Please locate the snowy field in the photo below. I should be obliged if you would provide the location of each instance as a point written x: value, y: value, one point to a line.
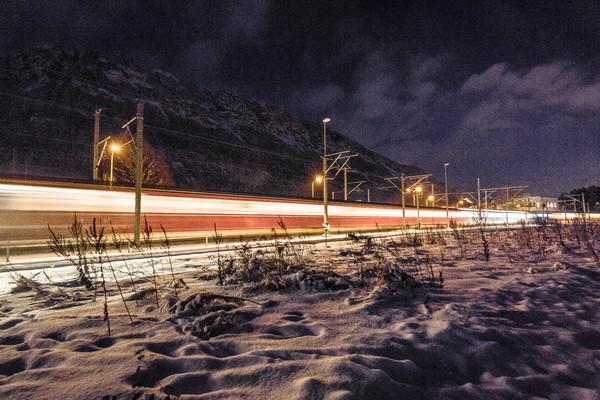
x: 395, y: 317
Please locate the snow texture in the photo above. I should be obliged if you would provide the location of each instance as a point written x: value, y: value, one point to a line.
x: 426, y: 323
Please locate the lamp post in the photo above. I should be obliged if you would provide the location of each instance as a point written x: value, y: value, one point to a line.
x: 432, y: 199
x: 418, y: 191
x: 113, y: 148
x: 446, y: 193
x: 318, y: 179
x: 325, y: 216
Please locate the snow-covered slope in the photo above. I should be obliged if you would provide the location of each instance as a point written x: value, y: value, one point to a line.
x: 210, y: 140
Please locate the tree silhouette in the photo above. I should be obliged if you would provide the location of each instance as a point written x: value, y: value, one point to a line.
x: 155, y: 171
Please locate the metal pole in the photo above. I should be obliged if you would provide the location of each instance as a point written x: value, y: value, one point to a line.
x: 583, y: 205
x: 403, y: 203
x: 418, y: 213
x: 345, y: 184
x: 112, y: 155
x: 478, y: 195
x: 139, y: 136
x: 506, y: 206
x: 96, y: 140
x: 325, y: 216
x: 446, y: 190
x: 313, y: 190
x: 368, y: 195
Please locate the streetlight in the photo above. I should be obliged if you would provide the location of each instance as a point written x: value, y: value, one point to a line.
x: 446, y: 190
x: 325, y: 216
x: 113, y: 148
x: 418, y: 191
x: 318, y: 179
x: 430, y: 198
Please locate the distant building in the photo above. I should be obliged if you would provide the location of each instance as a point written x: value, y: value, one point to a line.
x: 538, y: 203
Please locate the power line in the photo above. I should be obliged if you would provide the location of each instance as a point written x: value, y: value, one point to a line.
x: 166, y: 131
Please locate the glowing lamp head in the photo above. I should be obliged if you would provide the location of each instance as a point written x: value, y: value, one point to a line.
x: 115, y: 147
x: 419, y: 189
x: 430, y: 197
x: 326, y: 120
x: 318, y: 179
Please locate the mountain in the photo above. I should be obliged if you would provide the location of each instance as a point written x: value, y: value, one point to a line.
x: 208, y: 140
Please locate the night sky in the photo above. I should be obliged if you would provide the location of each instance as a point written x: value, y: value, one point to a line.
x: 508, y: 91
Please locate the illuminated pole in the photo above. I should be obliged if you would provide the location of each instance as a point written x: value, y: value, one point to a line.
x: 418, y: 192
x: 507, y: 199
x: 478, y: 195
x: 96, y: 140
x: 403, y: 202
x: 345, y: 184
x: 325, y: 216
x: 446, y: 190
x: 432, y: 199
x: 318, y: 180
x: 432, y: 195
x: 139, y: 136
x: 113, y: 148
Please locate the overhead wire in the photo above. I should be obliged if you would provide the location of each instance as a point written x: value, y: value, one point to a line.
x: 166, y: 131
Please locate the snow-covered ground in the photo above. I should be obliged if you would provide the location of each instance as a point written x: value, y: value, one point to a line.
x: 524, y: 325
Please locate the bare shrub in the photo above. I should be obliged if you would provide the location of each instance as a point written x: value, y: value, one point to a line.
x: 74, y: 249
x: 480, y: 221
x: 147, y: 237
x: 581, y: 228
x: 166, y: 244
x: 460, y: 236
x: 218, y: 238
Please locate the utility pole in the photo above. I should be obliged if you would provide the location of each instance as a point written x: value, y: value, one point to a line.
x: 96, y: 140
x: 478, y: 195
x: 506, y: 205
x: 418, y: 213
x: 325, y: 215
x: 446, y: 190
x: 345, y: 184
x: 489, y: 191
x: 403, y: 201
x: 403, y: 190
x: 139, y: 136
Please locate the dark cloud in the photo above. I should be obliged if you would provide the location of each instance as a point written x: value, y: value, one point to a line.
x: 504, y: 90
